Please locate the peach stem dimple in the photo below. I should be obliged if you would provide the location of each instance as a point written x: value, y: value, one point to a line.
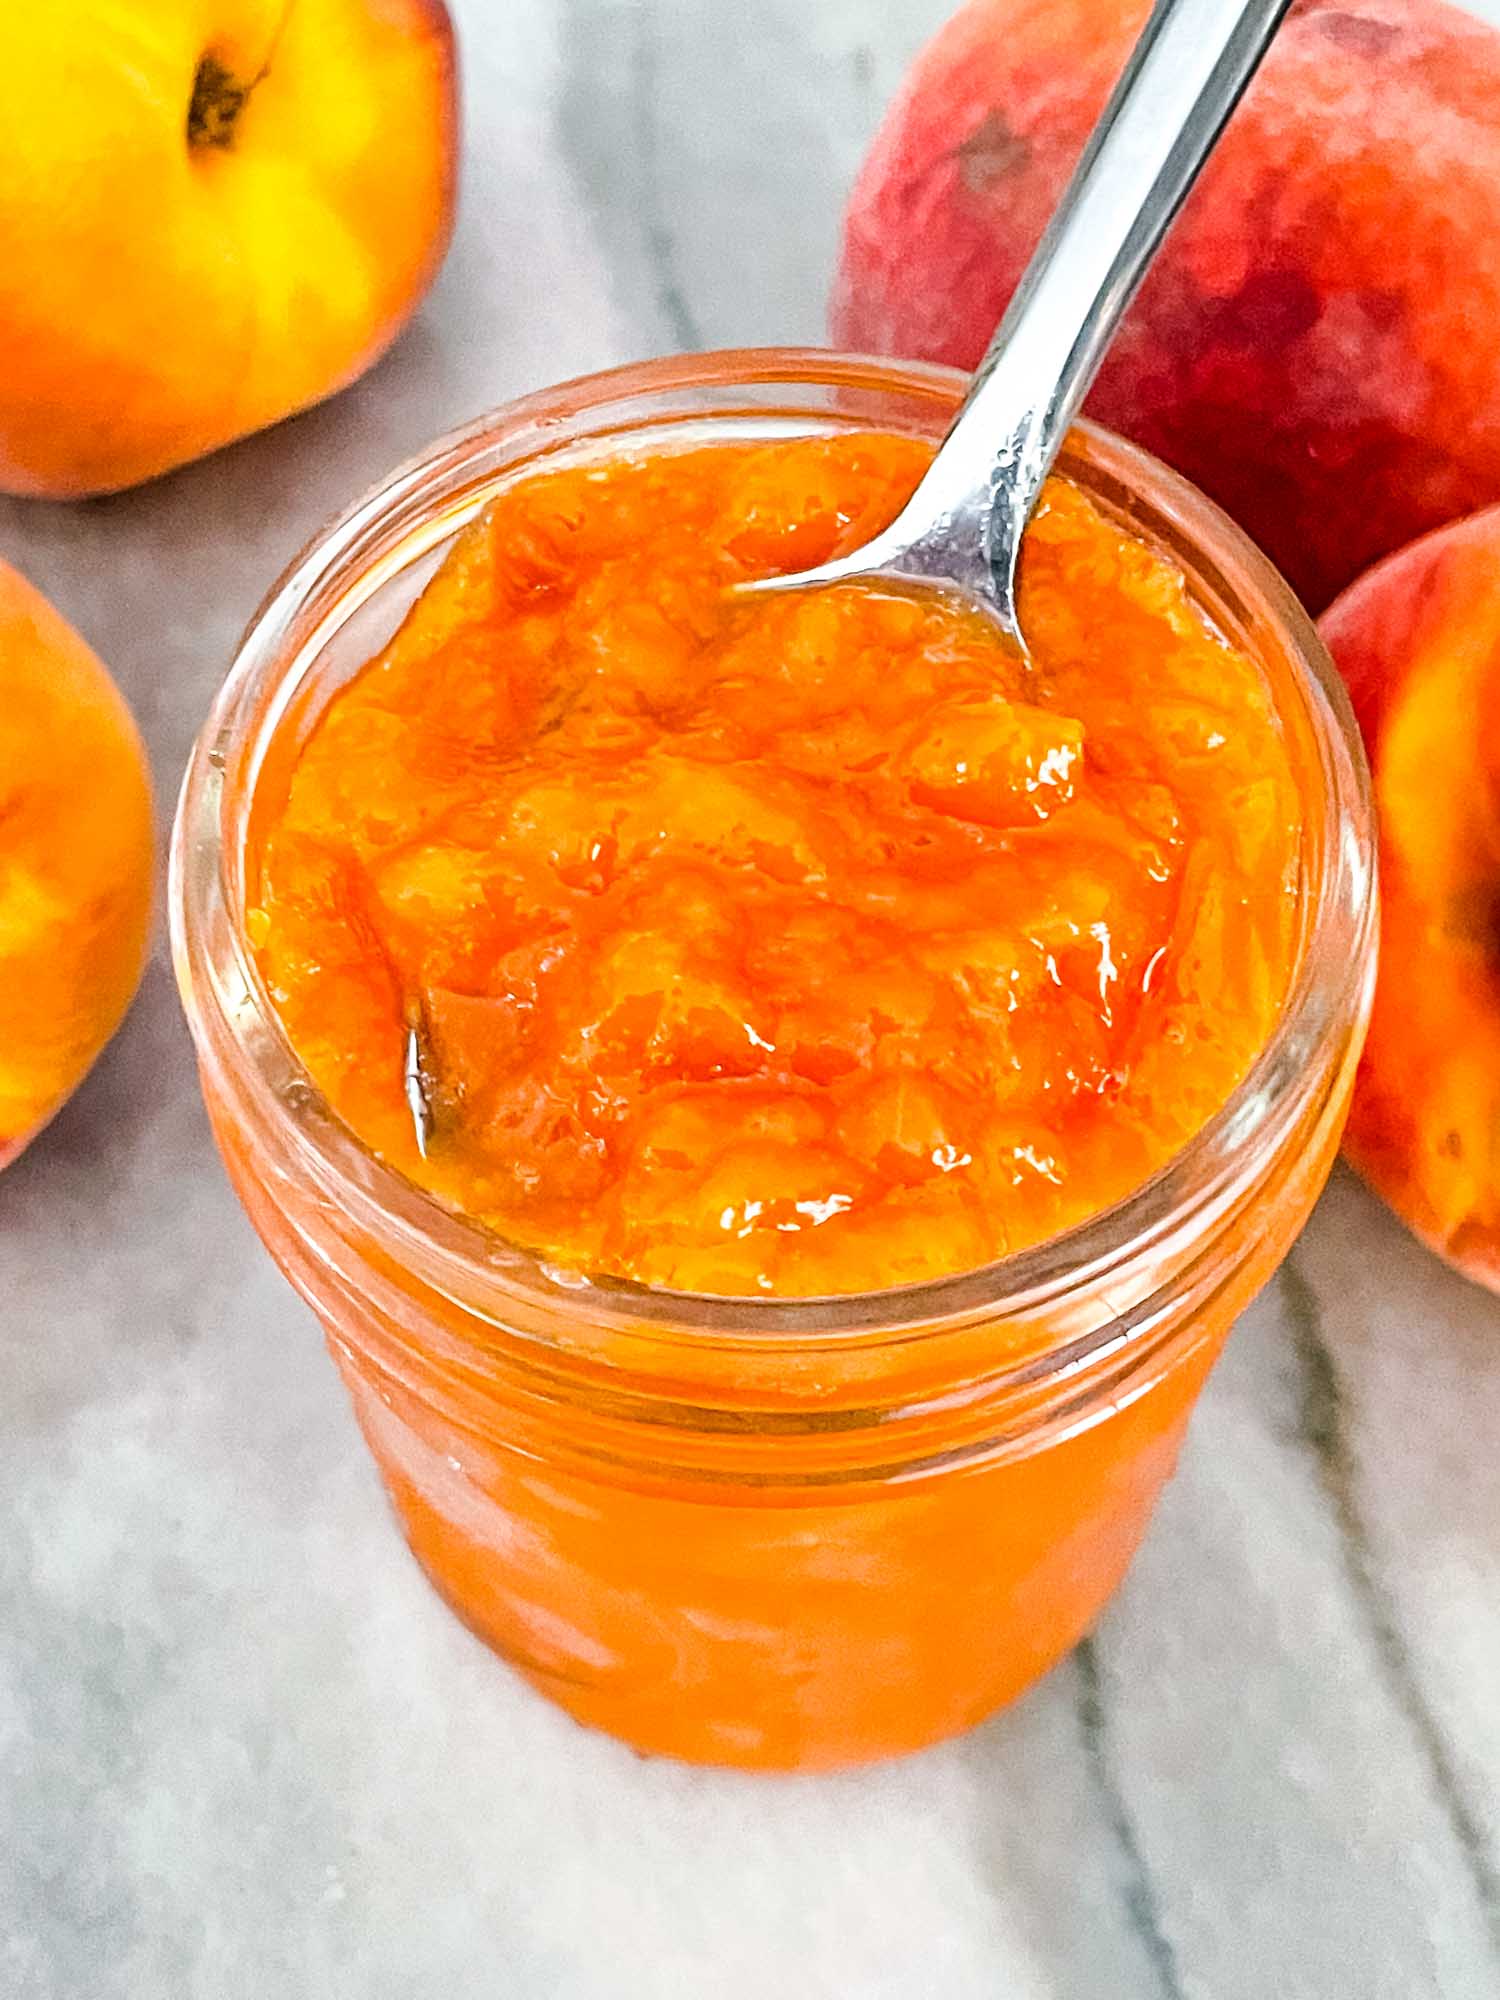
x: 215, y: 105
x: 218, y: 96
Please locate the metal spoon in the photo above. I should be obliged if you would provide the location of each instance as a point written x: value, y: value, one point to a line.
x: 963, y: 525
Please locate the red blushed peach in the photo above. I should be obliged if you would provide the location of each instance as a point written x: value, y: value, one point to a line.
x: 210, y: 216
x: 1418, y: 641
x: 1318, y: 346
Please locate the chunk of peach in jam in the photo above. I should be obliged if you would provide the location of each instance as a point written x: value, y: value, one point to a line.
x: 793, y: 945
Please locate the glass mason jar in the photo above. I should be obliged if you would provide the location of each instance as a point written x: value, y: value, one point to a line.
x: 780, y: 1533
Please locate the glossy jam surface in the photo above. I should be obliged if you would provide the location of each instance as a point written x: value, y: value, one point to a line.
x: 799, y: 945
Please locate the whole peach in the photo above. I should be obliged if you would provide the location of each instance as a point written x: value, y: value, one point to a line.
x: 1318, y: 345
x: 211, y: 216
x: 75, y: 860
x: 1418, y: 641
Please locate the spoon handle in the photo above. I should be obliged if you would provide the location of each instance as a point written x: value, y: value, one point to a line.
x: 1185, y: 75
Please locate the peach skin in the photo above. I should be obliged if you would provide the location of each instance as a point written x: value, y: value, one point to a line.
x: 213, y: 212
x: 75, y: 860
x: 1418, y: 641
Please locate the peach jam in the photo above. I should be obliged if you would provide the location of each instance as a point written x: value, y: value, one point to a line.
x: 806, y: 944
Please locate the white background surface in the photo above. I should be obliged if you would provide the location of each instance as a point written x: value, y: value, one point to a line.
x: 245, y: 1753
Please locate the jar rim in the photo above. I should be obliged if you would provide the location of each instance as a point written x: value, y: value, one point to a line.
x: 1330, y: 985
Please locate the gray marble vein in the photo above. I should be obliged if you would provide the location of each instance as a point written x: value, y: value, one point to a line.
x: 243, y: 1749
x: 1325, y: 1427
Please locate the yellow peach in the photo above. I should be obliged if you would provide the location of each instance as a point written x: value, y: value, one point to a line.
x: 75, y: 860
x: 214, y: 213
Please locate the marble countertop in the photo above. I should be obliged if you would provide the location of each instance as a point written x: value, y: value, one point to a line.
x: 245, y: 1752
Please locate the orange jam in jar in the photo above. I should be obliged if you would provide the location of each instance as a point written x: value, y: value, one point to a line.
x: 775, y: 1100
x: 799, y: 945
